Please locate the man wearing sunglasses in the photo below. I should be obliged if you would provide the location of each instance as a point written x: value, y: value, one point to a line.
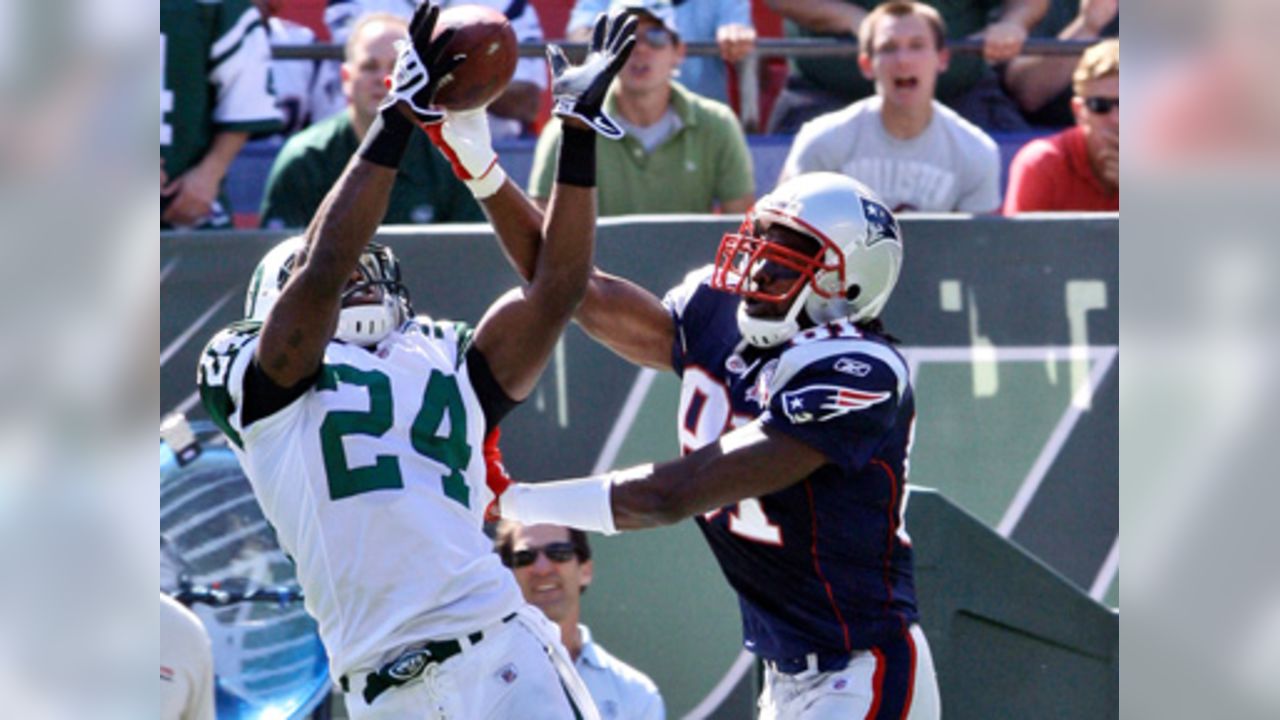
x: 1079, y: 168
x: 552, y: 566
x: 679, y: 152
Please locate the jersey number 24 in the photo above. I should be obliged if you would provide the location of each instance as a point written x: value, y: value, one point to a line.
x: 441, y: 396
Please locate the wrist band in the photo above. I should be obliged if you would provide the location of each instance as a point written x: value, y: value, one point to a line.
x: 577, y: 163
x: 387, y: 138
x: 489, y: 183
x: 583, y: 503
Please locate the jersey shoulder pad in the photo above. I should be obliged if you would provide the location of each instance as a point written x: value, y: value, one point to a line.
x: 821, y: 379
x: 455, y: 335
x: 221, y: 370
x: 678, y: 297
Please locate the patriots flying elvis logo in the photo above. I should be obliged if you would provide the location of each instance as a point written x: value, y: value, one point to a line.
x: 882, y: 224
x: 823, y: 402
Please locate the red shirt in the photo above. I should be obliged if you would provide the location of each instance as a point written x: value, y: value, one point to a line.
x: 1053, y: 173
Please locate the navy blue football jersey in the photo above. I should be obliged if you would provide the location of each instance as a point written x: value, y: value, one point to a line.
x: 824, y: 565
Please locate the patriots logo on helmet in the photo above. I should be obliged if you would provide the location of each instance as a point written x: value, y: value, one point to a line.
x: 823, y: 402
x: 881, y: 222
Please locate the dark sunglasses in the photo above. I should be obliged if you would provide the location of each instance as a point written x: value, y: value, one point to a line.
x: 1101, y: 105
x: 556, y: 552
x: 656, y: 37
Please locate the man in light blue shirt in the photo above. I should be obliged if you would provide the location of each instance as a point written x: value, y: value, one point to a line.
x: 552, y: 565
x: 728, y: 22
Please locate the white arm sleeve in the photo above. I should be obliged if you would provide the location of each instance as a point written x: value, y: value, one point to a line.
x: 582, y: 504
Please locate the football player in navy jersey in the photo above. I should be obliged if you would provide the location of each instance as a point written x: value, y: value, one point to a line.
x: 796, y: 420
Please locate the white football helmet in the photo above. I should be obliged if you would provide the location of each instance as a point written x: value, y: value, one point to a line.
x: 363, y: 324
x: 852, y: 274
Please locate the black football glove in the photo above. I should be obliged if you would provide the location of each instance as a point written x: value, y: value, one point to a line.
x: 579, y: 90
x: 420, y: 65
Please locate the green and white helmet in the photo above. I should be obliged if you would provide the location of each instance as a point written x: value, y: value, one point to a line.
x: 361, y: 324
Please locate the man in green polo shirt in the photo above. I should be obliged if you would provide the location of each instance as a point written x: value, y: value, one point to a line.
x: 425, y: 190
x: 681, y: 152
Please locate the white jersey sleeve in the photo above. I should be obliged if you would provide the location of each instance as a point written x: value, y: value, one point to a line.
x: 220, y: 376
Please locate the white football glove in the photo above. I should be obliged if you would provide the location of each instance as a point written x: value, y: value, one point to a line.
x: 420, y: 65
x: 579, y: 90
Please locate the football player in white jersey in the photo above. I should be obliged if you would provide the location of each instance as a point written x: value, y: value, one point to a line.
x: 360, y: 426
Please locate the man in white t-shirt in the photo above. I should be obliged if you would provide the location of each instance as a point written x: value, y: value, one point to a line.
x: 186, y: 664
x: 914, y: 152
x: 552, y: 565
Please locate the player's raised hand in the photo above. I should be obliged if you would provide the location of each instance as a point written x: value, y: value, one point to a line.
x: 579, y: 90
x: 421, y: 64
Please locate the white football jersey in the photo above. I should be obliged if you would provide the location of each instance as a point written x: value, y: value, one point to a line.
x: 374, y: 480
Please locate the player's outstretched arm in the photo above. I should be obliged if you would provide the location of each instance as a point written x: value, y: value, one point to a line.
x: 616, y: 312
x: 751, y: 461
x: 521, y: 329
x: 302, y: 321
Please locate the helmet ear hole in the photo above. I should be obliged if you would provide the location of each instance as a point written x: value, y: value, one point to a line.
x: 853, y: 292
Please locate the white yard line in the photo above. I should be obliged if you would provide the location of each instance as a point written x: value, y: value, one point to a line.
x: 1053, y: 446
x: 1107, y: 574
x: 627, y: 417
x: 722, y: 689
x: 182, y: 339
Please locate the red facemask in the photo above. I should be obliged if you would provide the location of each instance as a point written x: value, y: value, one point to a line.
x: 743, y: 254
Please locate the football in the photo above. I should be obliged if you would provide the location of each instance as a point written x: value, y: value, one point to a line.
x: 491, y: 49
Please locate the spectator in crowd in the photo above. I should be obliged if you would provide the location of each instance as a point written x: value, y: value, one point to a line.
x: 1041, y: 84
x: 552, y: 566
x: 1079, y: 168
x: 186, y: 664
x: 916, y: 153
x: 514, y: 111
x: 215, y: 93
x: 819, y: 85
x: 305, y: 92
x: 727, y: 22
x: 681, y: 152
x: 425, y: 190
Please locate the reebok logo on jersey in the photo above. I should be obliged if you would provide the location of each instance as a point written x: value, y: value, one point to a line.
x: 736, y: 365
x: 849, y: 366
x: 823, y: 402
x: 759, y: 392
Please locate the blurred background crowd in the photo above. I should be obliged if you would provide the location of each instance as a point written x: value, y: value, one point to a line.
x: 980, y: 106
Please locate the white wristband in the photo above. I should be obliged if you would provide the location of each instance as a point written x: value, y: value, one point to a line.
x: 582, y: 504
x: 489, y: 183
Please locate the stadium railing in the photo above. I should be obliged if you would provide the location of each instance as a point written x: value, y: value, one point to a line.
x: 747, y: 69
